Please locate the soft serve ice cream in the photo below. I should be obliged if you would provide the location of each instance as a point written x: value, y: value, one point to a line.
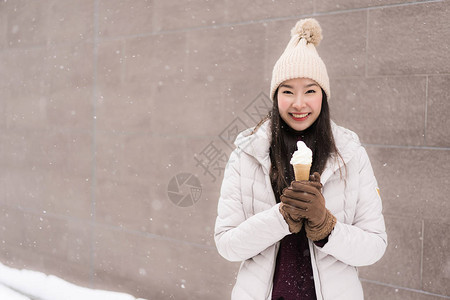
x: 302, y: 160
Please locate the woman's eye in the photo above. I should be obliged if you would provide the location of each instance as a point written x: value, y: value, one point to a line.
x: 310, y: 91
x: 287, y: 92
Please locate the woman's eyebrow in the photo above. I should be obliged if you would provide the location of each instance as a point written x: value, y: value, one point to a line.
x: 286, y: 86
x: 311, y: 84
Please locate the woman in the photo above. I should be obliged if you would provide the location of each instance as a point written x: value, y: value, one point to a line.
x: 299, y: 239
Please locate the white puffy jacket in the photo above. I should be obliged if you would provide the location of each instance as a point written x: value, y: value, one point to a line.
x: 249, y: 225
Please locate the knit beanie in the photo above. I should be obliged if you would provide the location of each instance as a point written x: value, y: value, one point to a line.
x: 300, y: 58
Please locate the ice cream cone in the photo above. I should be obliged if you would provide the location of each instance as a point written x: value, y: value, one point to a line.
x: 302, y: 171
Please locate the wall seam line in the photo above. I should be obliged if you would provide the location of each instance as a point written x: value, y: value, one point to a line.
x: 367, y: 45
x: 405, y: 147
x: 404, y: 288
x: 94, y: 142
x: 421, y: 255
x: 426, y: 112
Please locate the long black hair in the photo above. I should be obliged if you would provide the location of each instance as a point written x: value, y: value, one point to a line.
x: 318, y: 137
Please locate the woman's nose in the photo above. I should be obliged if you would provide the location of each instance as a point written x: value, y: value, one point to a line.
x: 299, y: 102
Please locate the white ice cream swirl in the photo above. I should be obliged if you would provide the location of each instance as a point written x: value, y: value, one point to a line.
x: 302, y: 156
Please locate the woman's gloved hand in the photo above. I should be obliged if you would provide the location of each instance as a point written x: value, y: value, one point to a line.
x: 292, y: 217
x: 307, y: 200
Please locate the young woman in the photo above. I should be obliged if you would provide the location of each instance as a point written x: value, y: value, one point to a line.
x: 299, y: 239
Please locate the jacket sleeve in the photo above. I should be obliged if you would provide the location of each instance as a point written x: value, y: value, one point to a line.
x: 237, y: 237
x: 364, y: 241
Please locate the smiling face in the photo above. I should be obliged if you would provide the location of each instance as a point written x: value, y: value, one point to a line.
x: 299, y: 102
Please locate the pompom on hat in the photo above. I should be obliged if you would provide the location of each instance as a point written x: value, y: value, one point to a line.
x: 300, y: 58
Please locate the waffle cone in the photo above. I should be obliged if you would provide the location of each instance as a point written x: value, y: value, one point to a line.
x: 301, y: 172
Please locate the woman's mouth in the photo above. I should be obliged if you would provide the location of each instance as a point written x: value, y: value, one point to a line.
x: 299, y: 117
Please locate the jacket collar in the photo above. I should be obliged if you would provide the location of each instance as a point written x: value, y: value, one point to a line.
x: 347, y: 142
x: 257, y: 145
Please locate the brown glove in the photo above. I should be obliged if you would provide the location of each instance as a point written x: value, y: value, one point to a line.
x: 292, y: 217
x: 306, y: 196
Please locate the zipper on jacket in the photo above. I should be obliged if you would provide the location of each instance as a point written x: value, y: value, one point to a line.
x: 315, y: 264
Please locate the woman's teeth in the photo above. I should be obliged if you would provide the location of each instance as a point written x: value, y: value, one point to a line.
x: 299, y: 115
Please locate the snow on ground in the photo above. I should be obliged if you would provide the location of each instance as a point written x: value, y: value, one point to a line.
x: 8, y: 294
x: 48, y: 287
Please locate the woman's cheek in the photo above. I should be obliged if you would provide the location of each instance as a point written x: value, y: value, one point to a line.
x: 283, y: 104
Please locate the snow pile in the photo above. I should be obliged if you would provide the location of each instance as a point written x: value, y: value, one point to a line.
x: 48, y: 287
x: 8, y: 294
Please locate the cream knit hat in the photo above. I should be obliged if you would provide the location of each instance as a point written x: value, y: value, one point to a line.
x: 300, y: 58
